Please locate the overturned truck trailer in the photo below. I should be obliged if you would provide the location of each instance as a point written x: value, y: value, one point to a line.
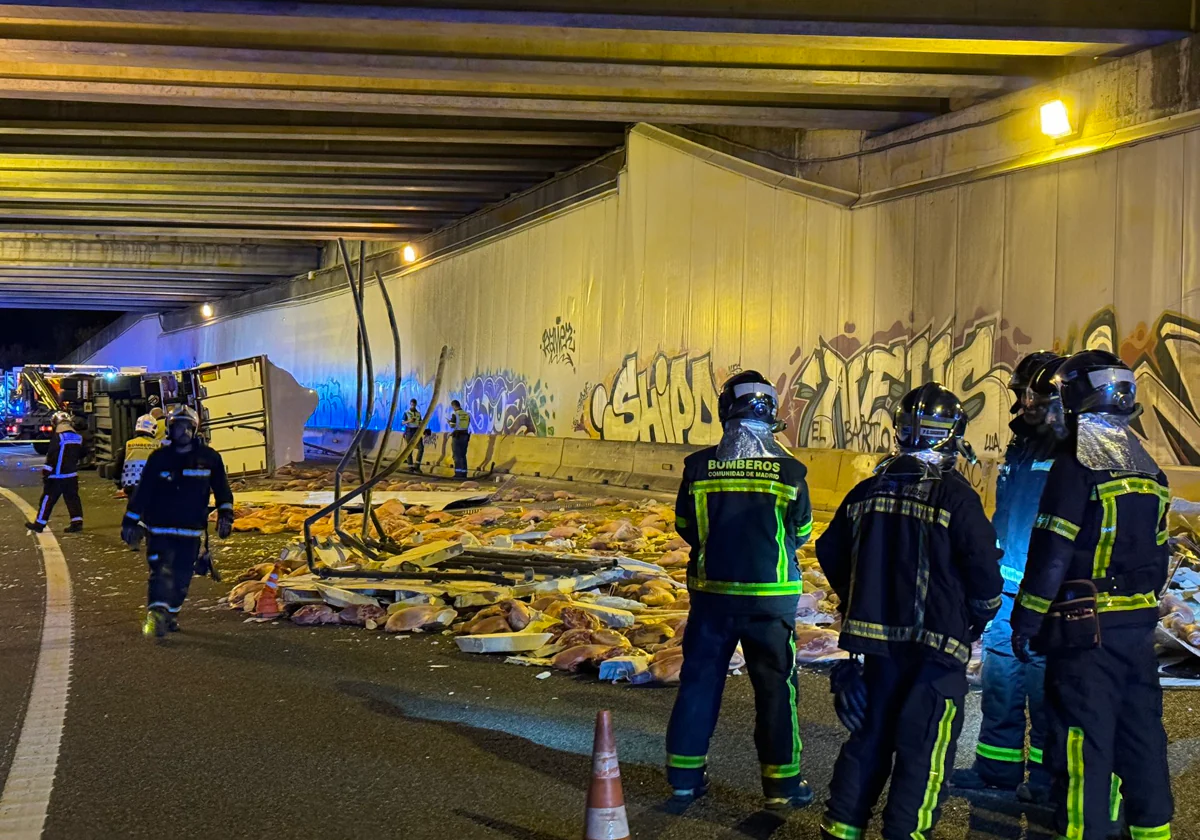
x: 252, y: 412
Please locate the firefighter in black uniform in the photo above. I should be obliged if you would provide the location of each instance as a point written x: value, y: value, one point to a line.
x: 1098, y: 557
x: 60, y: 475
x: 1010, y: 685
x: 170, y: 507
x: 460, y: 437
x: 744, y: 508
x: 412, y: 424
x: 913, y: 559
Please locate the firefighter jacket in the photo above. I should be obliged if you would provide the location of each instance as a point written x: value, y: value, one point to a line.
x: 137, y: 450
x: 412, y: 418
x: 745, y: 520
x: 460, y: 421
x: 64, y: 455
x: 1022, y: 477
x: 1101, y: 525
x: 172, y: 499
x: 913, y: 559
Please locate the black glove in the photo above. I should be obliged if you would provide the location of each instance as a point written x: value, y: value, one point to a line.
x: 849, y: 694
x: 1020, y: 646
x: 132, y: 535
x: 224, y: 524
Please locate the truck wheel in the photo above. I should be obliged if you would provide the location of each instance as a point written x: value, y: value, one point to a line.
x: 41, y: 448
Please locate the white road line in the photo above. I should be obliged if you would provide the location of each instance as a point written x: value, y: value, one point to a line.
x: 26, y: 795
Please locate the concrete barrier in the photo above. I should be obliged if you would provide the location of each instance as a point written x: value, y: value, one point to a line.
x: 524, y: 455
x: 597, y: 461
x: 658, y: 466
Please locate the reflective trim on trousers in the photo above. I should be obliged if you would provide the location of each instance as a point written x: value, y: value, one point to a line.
x: 841, y: 830
x: 1074, y: 784
x: 937, y: 771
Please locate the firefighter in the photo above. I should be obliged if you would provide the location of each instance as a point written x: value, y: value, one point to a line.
x: 743, y: 507
x: 1008, y: 684
x: 412, y: 424
x: 1098, y: 557
x: 170, y: 507
x: 60, y: 475
x: 138, y: 448
x: 913, y: 559
x: 160, y: 419
x: 460, y: 437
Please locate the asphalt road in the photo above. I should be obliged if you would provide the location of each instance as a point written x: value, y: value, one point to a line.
x: 239, y: 730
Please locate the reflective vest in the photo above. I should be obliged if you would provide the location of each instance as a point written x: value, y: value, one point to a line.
x: 460, y: 420
x: 137, y: 450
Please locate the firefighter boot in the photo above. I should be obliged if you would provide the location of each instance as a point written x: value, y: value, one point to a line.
x: 155, y: 624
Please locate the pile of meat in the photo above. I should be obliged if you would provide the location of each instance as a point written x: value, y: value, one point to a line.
x: 630, y: 630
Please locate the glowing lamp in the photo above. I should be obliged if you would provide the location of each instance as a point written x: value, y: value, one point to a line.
x: 206, y: 310
x: 1056, y: 122
x: 409, y: 254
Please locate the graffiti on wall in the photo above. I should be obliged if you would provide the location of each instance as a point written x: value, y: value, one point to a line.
x: 669, y: 400
x: 504, y: 403
x: 558, y: 343
x: 842, y: 395
x: 1165, y: 360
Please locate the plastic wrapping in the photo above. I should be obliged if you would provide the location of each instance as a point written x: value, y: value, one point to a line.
x: 1105, y: 442
x: 749, y: 439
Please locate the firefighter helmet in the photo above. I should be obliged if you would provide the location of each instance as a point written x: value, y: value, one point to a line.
x: 145, y: 425
x: 183, y: 414
x: 1096, y: 381
x: 1024, y: 373
x: 62, y: 422
x: 930, y: 417
x: 748, y: 396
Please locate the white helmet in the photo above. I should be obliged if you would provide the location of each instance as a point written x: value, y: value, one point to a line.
x: 145, y: 424
x: 62, y: 422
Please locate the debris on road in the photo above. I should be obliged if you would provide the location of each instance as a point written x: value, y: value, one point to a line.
x: 538, y: 577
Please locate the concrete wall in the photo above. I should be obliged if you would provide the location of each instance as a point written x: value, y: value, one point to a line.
x: 618, y: 318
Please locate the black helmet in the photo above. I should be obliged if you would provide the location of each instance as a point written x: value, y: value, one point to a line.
x: 1095, y: 381
x: 748, y: 396
x: 930, y: 417
x: 1024, y: 372
x: 1042, y: 385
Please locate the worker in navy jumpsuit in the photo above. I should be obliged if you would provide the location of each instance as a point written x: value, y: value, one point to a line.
x: 1102, y: 528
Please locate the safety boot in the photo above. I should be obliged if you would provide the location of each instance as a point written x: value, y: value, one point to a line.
x: 684, y: 797
x: 155, y: 624
x: 74, y: 528
x: 172, y: 622
x: 36, y: 527
x: 802, y: 798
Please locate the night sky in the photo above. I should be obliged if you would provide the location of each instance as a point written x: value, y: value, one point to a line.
x: 32, y: 336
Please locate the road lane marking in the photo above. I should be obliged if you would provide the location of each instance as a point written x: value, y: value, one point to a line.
x: 26, y: 795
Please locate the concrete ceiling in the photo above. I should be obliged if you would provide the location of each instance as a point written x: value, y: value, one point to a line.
x: 289, y: 123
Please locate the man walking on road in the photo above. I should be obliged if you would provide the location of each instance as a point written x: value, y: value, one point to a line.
x: 744, y: 508
x: 60, y: 476
x: 170, y: 505
x: 460, y: 437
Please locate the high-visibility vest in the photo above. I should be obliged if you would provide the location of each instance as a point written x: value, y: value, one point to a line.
x: 460, y: 420
x: 137, y: 450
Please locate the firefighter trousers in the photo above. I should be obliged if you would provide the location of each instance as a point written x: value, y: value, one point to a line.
x: 458, y: 446
x: 914, y: 717
x: 172, y: 562
x: 769, y: 646
x: 1009, y: 688
x: 1106, y: 741
x: 52, y: 490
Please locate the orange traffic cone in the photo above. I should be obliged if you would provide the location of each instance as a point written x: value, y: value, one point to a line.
x: 267, y: 604
x: 605, y: 819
